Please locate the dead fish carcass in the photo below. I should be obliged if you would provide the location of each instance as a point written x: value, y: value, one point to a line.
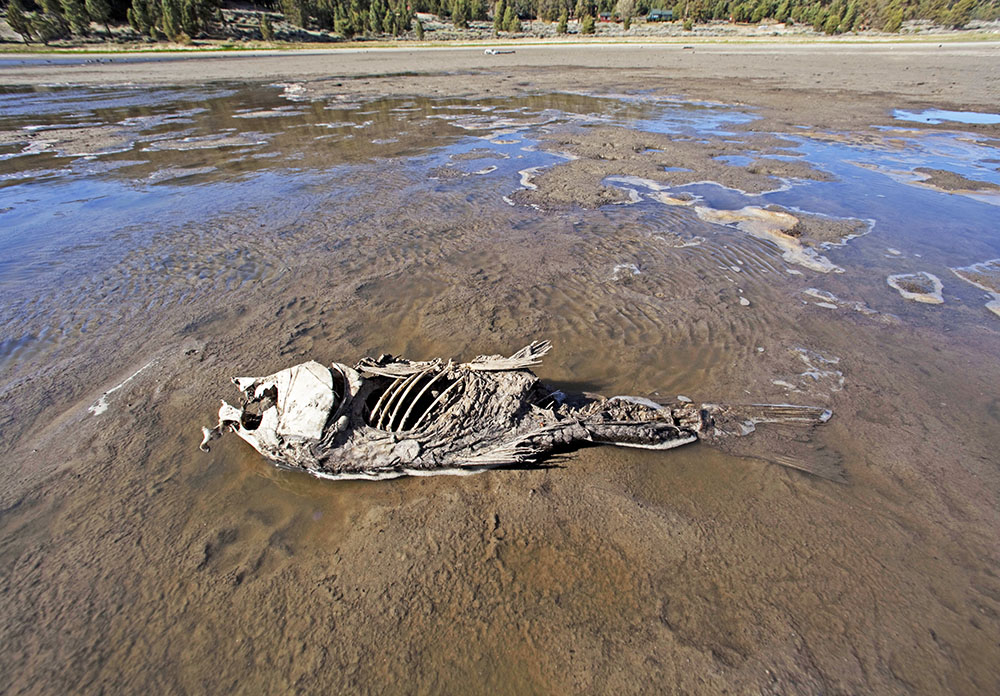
x: 390, y: 417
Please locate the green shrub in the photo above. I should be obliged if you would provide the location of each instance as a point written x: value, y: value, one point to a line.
x: 511, y: 22
x: 266, y: 30
x: 819, y: 19
x: 960, y: 14
x: 295, y: 13
x: 76, y: 15
x: 193, y: 17
x: 460, y: 14
x: 345, y: 26
x: 46, y: 27
x: 139, y: 17
x: 19, y: 21
x: 100, y: 12
x: 587, y: 26
x: 894, y: 21
x: 170, y: 22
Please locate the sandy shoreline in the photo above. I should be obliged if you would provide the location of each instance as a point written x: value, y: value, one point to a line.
x: 962, y: 67
x: 131, y: 562
x: 817, y: 85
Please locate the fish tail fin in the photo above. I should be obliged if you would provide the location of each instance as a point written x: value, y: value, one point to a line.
x: 743, y: 419
x: 787, y: 438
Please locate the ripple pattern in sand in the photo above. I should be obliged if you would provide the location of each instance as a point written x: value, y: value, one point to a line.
x: 177, y: 270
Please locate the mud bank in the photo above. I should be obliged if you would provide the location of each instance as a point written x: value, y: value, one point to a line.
x: 862, y: 83
x: 143, y: 280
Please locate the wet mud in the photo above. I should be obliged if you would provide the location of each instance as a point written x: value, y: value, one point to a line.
x: 985, y: 276
x: 198, y: 234
x: 945, y: 180
x: 919, y: 287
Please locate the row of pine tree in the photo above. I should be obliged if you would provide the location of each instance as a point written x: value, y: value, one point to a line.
x: 181, y: 20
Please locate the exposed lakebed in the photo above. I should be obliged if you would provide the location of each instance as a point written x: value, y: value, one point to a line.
x: 97, y: 180
x: 158, y: 241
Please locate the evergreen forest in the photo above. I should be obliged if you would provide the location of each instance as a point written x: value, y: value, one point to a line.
x: 183, y: 20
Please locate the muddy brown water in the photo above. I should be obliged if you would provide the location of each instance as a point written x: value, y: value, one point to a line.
x: 159, y: 241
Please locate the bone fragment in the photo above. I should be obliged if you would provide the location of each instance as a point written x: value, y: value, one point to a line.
x: 397, y: 389
x: 417, y: 398
x: 402, y: 401
x: 526, y: 357
x: 440, y: 398
x: 378, y: 405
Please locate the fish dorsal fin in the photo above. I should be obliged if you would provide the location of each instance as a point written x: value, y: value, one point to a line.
x: 527, y: 357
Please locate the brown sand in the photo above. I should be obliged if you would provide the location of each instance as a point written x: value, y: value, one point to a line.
x: 130, y: 563
x: 859, y: 83
x: 950, y: 181
x: 665, y: 159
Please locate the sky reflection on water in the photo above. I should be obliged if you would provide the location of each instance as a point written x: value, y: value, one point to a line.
x: 173, y: 159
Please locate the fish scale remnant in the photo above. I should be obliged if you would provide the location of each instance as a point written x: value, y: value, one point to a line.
x: 390, y: 417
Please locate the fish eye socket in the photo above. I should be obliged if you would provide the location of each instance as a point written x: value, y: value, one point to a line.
x: 254, y: 404
x: 253, y: 408
x: 410, y: 402
x: 250, y: 421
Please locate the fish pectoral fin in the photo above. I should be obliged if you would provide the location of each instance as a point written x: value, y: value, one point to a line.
x: 207, y: 435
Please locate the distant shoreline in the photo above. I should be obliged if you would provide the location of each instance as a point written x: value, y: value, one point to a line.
x: 835, y: 85
x: 239, y: 33
x: 9, y: 49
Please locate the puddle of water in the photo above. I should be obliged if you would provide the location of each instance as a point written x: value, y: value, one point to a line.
x: 83, y: 103
x: 685, y: 116
x: 735, y: 160
x: 189, y: 155
x: 879, y: 184
x: 936, y: 116
x: 938, y: 225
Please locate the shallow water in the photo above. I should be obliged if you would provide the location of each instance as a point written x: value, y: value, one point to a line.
x: 164, y: 240
x: 942, y: 115
x: 134, y: 217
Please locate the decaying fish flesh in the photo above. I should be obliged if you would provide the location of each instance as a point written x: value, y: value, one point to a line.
x: 390, y: 417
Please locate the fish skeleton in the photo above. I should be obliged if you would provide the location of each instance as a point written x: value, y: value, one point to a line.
x: 390, y: 417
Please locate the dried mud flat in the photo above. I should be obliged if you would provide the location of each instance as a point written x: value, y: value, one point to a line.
x: 133, y: 563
